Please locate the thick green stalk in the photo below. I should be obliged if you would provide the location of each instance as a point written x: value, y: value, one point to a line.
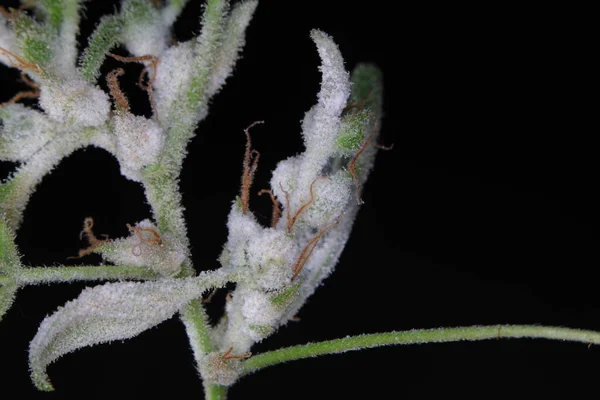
x: 215, y: 392
x: 196, y: 320
x: 417, y: 336
x: 40, y: 275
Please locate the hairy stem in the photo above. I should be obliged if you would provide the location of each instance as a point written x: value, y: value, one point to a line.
x: 40, y: 275
x: 215, y: 392
x: 417, y: 336
x: 195, y: 320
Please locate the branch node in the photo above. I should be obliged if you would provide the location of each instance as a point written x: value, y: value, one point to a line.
x: 229, y: 356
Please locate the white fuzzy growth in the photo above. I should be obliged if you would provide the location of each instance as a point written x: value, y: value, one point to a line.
x: 236, y: 334
x: 145, y: 38
x: 271, y: 256
x: 233, y: 42
x: 114, y: 311
x: 335, y: 83
x: 171, y: 11
x: 285, y: 177
x: 216, y: 370
x: 257, y: 309
x: 139, y: 143
x: 75, y: 102
x: 323, y: 259
x: 67, y: 48
x: 162, y: 253
x: 330, y: 197
x: 241, y: 229
x: 330, y: 194
x: 65, y: 64
x: 321, y: 124
x: 24, y: 131
x: 172, y: 77
x: 250, y: 318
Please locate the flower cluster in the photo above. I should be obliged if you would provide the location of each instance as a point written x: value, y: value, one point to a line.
x: 315, y: 194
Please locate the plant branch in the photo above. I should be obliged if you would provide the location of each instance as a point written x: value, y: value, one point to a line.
x: 41, y: 275
x: 416, y: 336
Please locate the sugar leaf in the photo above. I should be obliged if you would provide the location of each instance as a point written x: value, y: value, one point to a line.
x: 7, y: 296
x: 9, y: 256
x: 113, y: 311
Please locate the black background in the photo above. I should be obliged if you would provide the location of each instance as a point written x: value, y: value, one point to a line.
x: 484, y: 212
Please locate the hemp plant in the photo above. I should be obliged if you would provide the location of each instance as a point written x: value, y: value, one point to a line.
x: 315, y: 195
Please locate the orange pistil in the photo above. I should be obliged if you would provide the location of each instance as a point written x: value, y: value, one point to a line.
x: 115, y: 89
x: 360, y: 106
x: 145, y: 235
x: 292, y: 221
x: 26, y: 94
x: 20, y: 63
x: 288, y: 217
x: 352, y: 165
x: 276, y: 212
x: 310, y: 247
x: 228, y: 356
x: 250, y: 164
x: 88, y: 234
x: 6, y: 13
x: 141, y: 59
x: 29, y: 94
x: 153, y: 60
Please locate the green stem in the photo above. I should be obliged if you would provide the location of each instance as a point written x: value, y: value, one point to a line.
x: 195, y: 320
x: 215, y: 392
x: 161, y: 180
x: 416, y: 336
x: 39, y: 275
x: 196, y: 323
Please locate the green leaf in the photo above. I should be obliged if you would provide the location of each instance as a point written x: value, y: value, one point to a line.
x: 283, y: 298
x: 113, y: 311
x: 35, y: 40
x: 12, y: 201
x: 104, y: 38
x: 207, y: 46
x: 9, y: 263
x: 7, y: 296
x: 232, y: 44
x: 52, y: 11
x: 367, y: 88
x: 10, y: 260
x: 353, y: 131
